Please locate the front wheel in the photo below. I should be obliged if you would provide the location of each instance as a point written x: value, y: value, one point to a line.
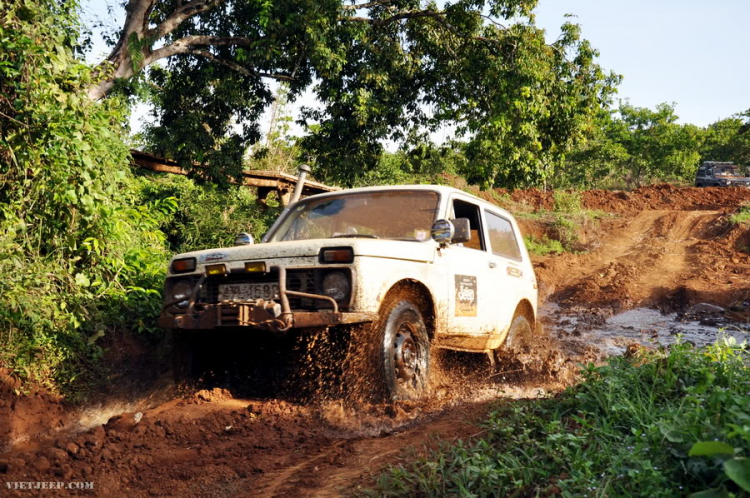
x: 390, y: 358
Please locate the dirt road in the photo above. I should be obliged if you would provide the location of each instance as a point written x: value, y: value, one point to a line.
x: 666, y: 251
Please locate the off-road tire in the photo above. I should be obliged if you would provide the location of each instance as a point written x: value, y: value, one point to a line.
x: 389, y: 359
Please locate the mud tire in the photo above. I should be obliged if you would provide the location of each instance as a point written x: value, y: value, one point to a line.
x: 389, y: 360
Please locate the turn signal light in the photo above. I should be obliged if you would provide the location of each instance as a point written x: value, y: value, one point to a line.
x: 256, y: 266
x: 183, y: 265
x: 337, y: 255
x: 216, y: 269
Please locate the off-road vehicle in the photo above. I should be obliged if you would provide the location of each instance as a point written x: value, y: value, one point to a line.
x: 721, y: 174
x: 404, y: 268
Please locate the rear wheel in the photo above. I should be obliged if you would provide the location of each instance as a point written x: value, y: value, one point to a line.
x: 390, y: 358
x: 515, y: 357
x: 520, y: 335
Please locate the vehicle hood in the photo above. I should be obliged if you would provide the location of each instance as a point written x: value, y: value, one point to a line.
x: 378, y: 248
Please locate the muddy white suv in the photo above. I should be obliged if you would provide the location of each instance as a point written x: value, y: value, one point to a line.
x: 403, y: 269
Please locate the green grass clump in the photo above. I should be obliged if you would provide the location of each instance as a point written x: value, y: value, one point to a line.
x: 668, y: 423
x: 543, y: 246
x: 741, y: 216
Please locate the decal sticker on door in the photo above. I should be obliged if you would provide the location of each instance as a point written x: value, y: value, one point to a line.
x: 466, y: 295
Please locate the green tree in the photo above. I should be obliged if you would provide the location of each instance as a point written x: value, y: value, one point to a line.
x: 728, y: 140
x: 382, y: 69
x: 634, y: 146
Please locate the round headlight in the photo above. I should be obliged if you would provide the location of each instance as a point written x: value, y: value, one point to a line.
x: 181, y: 292
x: 336, y: 285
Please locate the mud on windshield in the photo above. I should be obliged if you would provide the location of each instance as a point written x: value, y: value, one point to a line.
x: 393, y: 214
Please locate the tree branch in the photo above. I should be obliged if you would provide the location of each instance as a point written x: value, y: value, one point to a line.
x: 184, y: 44
x: 236, y: 67
x: 397, y: 17
x: 180, y: 15
x: 367, y: 5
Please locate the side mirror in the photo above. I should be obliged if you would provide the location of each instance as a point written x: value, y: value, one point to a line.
x: 243, y: 239
x: 446, y: 231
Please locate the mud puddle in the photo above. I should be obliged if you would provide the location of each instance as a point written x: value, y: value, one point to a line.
x: 648, y: 327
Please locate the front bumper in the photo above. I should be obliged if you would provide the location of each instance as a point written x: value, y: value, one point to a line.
x: 259, y: 314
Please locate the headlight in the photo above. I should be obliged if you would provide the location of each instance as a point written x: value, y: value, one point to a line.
x: 336, y: 285
x: 181, y: 292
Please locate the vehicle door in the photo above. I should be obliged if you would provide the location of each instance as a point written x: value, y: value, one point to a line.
x: 700, y: 177
x: 506, y: 268
x: 469, y: 316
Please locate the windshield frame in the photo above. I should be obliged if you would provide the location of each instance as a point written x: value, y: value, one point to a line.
x: 289, y: 211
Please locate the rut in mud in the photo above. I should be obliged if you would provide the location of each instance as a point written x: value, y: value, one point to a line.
x: 670, y: 263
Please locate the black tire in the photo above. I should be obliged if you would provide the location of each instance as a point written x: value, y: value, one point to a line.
x: 390, y: 358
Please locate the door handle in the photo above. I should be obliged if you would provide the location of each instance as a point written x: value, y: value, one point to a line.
x: 493, y: 265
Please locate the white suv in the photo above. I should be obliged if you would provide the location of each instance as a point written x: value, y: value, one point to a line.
x: 403, y: 269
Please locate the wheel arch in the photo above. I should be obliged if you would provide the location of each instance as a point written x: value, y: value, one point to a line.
x: 426, y: 302
x: 524, y: 307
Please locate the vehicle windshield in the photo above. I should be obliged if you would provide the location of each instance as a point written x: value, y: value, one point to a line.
x: 390, y: 214
x: 728, y: 171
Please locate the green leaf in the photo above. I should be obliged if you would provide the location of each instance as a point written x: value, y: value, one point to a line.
x: 711, y: 493
x: 738, y: 470
x: 709, y: 448
x: 82, y: 280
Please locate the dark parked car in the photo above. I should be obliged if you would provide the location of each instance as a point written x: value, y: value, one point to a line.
x: 721, y: 174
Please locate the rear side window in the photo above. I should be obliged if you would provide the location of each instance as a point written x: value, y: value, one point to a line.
x: 502, y: 238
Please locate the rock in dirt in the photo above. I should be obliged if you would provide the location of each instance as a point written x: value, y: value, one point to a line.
x: 213, y: 395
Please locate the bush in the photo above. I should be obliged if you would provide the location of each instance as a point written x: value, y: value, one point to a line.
x: 664, y: 424
x: 79, y: 253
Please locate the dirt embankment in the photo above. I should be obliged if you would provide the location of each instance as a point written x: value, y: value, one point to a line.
x: 668, y: 248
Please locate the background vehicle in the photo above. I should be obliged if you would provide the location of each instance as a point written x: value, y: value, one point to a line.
x: 721, y: 174
x: 394, y: 271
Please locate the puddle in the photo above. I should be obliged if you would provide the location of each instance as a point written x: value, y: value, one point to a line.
x: 645, y: 326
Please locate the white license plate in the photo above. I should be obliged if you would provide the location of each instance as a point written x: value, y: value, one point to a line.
x: 248, y: 292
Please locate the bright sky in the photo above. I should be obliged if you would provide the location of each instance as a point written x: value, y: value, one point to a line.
x: 684, y: 51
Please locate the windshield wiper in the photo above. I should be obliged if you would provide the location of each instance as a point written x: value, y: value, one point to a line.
x: 362, y: 235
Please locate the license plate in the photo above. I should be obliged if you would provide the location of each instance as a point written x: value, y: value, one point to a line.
x: 248, y: 292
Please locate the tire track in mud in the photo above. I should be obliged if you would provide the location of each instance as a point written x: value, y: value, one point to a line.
x: 640, y: 264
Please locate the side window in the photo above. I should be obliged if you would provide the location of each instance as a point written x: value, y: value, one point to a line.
x: 463, y: 209
x: 702, y: 171
x: 502, y: 238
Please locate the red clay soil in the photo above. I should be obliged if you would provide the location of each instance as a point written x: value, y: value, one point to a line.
x: 668, y: 248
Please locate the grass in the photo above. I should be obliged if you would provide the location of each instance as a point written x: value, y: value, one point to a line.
x: 666, y: 423
x: 742, y: 216
x: 565, y: 219
x: 543, y: 246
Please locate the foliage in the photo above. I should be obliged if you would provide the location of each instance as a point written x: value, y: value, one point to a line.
x: 543, y: 246
x: 206, y: 216
x: 741, y: 216
x: 728, y: 140
x: 383, y: 70
x: 638, y: 146
x: 79, y: 254
x: 629, y: 429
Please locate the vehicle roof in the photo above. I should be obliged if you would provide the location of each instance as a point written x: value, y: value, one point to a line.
x: 443, y: 190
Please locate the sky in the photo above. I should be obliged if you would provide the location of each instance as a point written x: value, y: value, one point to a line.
x: 685, y: 52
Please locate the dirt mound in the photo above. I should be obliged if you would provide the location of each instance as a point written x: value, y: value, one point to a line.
x: 653, y: 197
